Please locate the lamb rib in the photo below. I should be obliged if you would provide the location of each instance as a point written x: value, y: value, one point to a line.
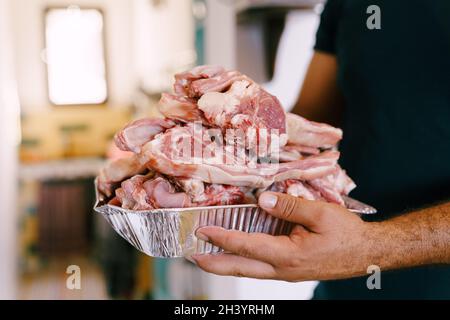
x: 184, y: 80
x: 159, y: 154
x: 329, y: 188
x: 204, y: 79
x: 311, y: 134
x: 132, y: 194
x: 162, y: 194
x: 154, y: 191
x: 301, y: 149
x: 116, y: 171
x: 180, y: 108
x: 218, y: 83
x: 245, y: 105
x: 296, y: 188
x: 139, y: 132
x: 232, y: 161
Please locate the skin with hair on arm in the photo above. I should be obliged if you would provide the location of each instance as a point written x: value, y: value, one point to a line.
x: 328, y: 242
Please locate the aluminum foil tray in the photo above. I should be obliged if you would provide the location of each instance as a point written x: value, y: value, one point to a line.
x: 170, y: 233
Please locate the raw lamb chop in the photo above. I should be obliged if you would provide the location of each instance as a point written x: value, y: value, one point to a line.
x: 150, y: 192
x: 334, y: 186
x: 218, y: 194
x: 184, y: 80
x: 224, y: 94
x: 205, y: 194
x: 154, y: 191
x: 223, y: 141
x: 139, y: 132
x: 329, y: 188
x: 161, y: 154
x: 307, y: 133
x: 295, y: 152
x: 132, y: 194
x: 162, y: 194
x: 304, y: 150
x: 116, y: 171
x: 180, y: 108
x: 204, y: 79
x: 244, y: 106
x: 296, y: 188
x: 287, y: 156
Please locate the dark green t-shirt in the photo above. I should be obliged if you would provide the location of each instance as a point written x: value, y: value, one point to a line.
x: 396, y: 85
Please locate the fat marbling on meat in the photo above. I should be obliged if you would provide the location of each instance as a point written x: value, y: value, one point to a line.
x: 175, y: 166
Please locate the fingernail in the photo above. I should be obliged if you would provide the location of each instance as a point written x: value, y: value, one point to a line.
x: 268, y: 200
x: 201, y: 235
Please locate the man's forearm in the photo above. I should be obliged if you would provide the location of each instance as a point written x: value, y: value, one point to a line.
x: 418, y: 238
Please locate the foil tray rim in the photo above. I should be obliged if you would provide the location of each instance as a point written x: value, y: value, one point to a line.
x: 176, y: 210
x: 363, y: 209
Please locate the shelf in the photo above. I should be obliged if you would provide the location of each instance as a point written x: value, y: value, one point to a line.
x: 67, y: 169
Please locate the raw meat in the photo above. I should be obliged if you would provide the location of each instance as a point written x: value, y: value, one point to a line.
x: 287, y: 156
x: 184, y: 80
x: 193, y: 187
x: 295, y: 188
x: 333, y: 186
x: 329, y: 188
x: 244, y: 106
x: 301, y: 149
x: 218, y: 194
x: 311, y: 134
x: 137, y: 133
x: 326, y: 190
x: 223, y: 141
x: 296, y: 152
x: 342, y: 182
x: 132, y: 194
x: 204, y: 79
x: 116, y: 171
x: 163, y: 155
x: 152, y: 192
x: 162, y: 194
x: 214, y: 194
x: 180, y: 108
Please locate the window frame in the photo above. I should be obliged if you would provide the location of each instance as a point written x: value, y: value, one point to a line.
x: 105, y: 102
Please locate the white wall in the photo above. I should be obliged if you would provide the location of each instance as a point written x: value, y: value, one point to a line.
x: 229, y: 288
x: 220, y: 34
x: 163, y: 41
x: 9, y: 137
x: 294, y: 53
x: 29, y: 41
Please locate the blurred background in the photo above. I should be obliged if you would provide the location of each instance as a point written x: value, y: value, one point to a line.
x: 74, y: 72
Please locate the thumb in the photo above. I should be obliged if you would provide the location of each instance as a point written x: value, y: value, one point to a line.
x: 293, y: 209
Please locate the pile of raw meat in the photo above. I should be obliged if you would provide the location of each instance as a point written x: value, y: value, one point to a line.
x: 223, y: 140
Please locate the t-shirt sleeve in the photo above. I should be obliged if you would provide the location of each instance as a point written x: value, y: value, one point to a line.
x: 327, y: 32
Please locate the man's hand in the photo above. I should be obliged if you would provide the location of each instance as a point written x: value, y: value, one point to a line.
x: 327, y: 242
